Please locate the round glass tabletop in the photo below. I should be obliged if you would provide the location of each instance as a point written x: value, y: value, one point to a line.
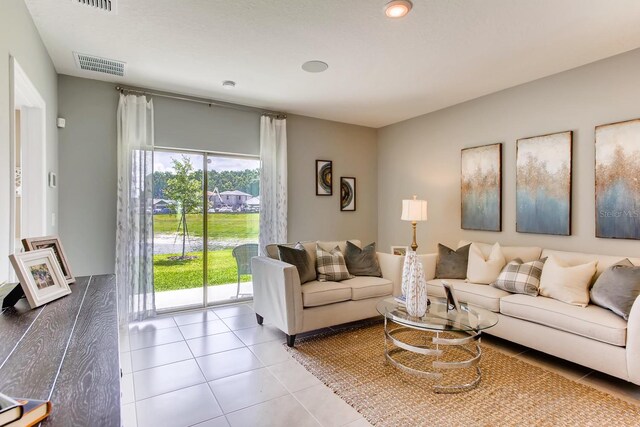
x: 438, y: 318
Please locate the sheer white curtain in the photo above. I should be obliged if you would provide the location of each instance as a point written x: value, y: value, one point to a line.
x: 134, y: 234
x: 273, y: 181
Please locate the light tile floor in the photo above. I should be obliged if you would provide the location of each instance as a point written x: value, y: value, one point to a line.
x: 218, y: 368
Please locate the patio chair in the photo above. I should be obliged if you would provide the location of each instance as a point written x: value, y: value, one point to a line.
x: 243, y: 255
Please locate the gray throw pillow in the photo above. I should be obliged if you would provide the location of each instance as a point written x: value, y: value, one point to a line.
x: 452, y: 264
x: 298, y: 257
x: 362, y: 262
x: 617, y: 288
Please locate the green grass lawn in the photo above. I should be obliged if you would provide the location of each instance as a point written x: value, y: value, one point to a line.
x: 171, y: 275
x: 222, y: 226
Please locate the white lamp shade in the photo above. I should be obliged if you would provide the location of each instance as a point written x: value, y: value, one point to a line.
x: 414, y: 210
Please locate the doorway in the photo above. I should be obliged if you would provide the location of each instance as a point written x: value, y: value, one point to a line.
x: 206, y: 215
x: 28, y: 216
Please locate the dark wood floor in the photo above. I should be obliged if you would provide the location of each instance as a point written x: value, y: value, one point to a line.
x: 65, y: 351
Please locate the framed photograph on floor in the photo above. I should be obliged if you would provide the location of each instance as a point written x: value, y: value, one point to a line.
x: 53, y: 242
x: 40, y: 276
x: 324, y: 182
x: 543, y: 184
x: 347, y: 194
x: 617, y: 172
x: 481, y: 188
x: 399, y: 250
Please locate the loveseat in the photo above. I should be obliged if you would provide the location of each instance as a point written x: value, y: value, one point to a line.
x: 296, y: 308
x: 591, y: 336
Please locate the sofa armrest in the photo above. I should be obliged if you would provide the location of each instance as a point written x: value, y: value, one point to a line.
x: 277, y: 294
x: 391, y: 266
x: 633, y: 343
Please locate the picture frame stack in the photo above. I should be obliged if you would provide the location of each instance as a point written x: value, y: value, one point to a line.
x: 43, y: 271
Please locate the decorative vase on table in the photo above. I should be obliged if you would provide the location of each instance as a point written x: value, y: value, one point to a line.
x: 414, y: 285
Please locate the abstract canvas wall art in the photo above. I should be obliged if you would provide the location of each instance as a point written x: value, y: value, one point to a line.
x: 324, y: 184
x: 617, y: 180
x: 347, y: 193
x: 543, y: 184
x: 481, y: 188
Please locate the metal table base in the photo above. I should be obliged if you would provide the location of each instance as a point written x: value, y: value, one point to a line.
x: 469, y: 343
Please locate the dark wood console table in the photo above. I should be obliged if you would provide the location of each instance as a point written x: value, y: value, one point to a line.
x: 65, y: 351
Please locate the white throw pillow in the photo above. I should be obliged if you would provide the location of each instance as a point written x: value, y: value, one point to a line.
x: 481, y: 270
x: 567, y: 283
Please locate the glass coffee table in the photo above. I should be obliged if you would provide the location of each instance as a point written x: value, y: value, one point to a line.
x: 443, y: 345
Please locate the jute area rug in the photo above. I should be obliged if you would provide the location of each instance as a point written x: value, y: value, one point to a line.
x: 512, y: 392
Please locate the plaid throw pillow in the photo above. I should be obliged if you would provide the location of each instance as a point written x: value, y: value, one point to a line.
x: 520, y: 278
x: 331, y: 265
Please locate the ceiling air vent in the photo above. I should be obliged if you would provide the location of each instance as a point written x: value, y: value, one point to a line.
x: 105, y: 5
x: 99, y: 65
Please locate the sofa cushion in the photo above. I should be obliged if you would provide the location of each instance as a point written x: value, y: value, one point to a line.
x: 617, y: 288
x: 567, y: 283
x: 298, y: 257
x: 574, y: 258
x: 331, y: 265
x: 328, y: 245
x: 272, y: 249
x: 316, y: 293
x: 482, y: 269
x: 592, y: 321
x: 520, y: 278
x: 483, y: 296
x: 362, y: 262
x: 363, y: 287
x: 525, y: 253
x: 452, y: 264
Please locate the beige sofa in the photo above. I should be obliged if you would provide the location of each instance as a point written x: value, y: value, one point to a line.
x: 293, y: 308
x: 591, y: 336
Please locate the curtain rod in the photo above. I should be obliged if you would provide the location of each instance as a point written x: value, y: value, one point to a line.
x: 209, y: 102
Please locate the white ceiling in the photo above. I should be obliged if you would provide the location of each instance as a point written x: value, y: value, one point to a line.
x: 381, y: 71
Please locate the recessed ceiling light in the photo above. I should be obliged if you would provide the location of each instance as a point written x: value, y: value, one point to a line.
x: 315, y: 66
x: 228, y: 84
x: 397, y: 8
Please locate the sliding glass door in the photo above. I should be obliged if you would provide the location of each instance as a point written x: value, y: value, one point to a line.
x: 178, y: 231
x: 232, y: 232
x: 206, y: 216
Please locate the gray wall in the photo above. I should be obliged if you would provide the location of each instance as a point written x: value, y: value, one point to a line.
x: 87, y: 178
x: 183, y: 124
x: 353, y: 152
x: 19, y: 38
x: 422, y: 155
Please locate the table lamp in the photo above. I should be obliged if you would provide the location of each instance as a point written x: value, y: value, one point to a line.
x: 414, y: 210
